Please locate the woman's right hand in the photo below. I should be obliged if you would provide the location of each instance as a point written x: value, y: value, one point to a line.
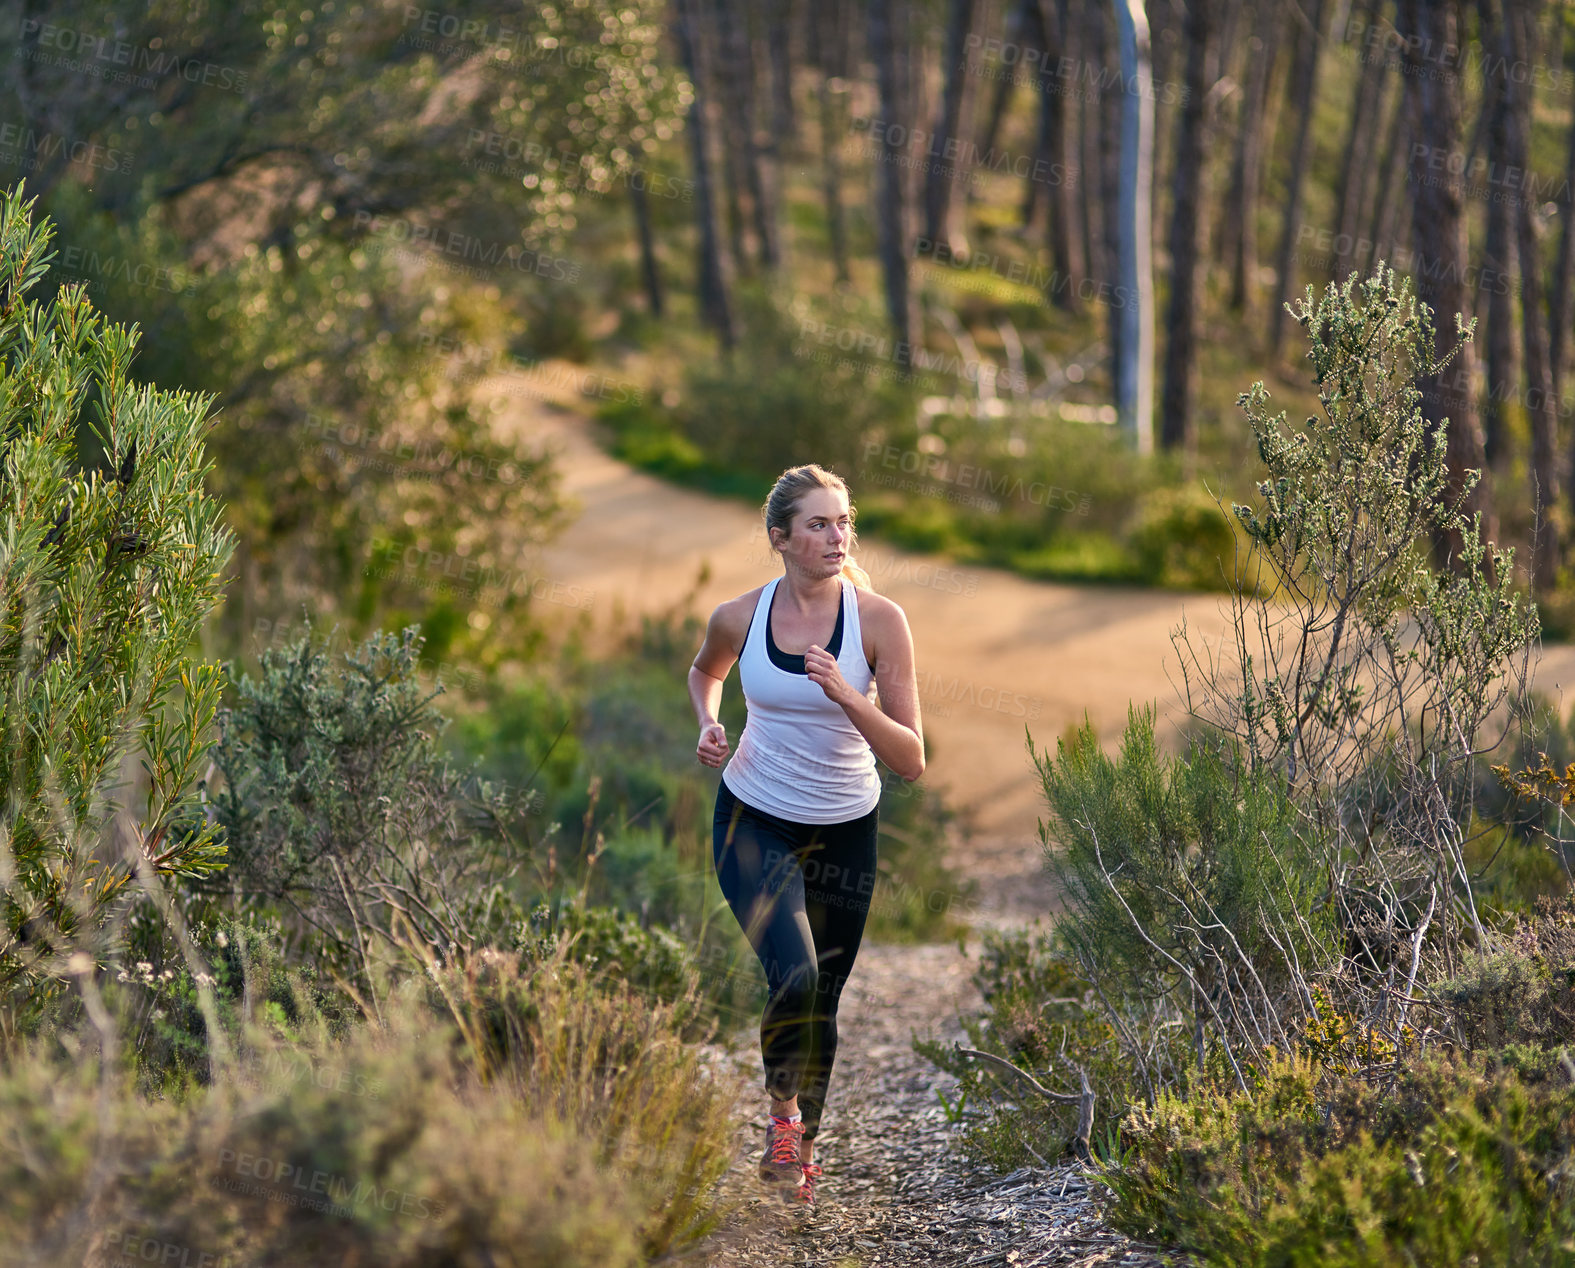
x: 712, y: 749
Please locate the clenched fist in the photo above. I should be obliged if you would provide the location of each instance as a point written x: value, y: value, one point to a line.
x: 712, y: 749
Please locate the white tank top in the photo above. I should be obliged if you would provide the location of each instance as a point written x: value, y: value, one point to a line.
x: 799, y: 757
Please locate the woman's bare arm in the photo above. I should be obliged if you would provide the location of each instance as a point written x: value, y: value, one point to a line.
x: 718, y: 653
x: 893, y: 728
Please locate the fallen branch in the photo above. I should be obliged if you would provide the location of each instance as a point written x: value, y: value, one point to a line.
x: 1084, y: 1100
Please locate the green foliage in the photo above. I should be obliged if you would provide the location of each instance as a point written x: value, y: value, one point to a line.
x: 312, y: 1148
x: 1523, y: 993
x: 1187, y: 880
x: 110, y: 555
x: 1448, y: 1163
x: 342, y: 812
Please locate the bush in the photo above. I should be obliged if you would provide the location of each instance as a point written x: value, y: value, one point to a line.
x: 109, y: 565
x: 591, y: 1137
x: 1450, y: 1163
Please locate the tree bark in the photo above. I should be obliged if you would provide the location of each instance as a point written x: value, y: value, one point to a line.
x: 1438, y: 228
x: 1098, y: 255
x: 1239, y: 234
x: 1133, y: 374
x: 1178, y: 428
x: 1360, y: 141
x: 832, y: 34
x: 1063, y: 233
x: 714, y: 282
x: 941, y: 172
x: 1559, y: 302
x: 890, y: 191
x: 649, y: 272
x: 1498, y: 104
x: 1304, y: 87
x: 746, y: 163
x: 1519, y: 32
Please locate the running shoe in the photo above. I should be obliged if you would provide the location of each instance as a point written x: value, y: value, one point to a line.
x: 781, y: 1164
x: 806, y: 1191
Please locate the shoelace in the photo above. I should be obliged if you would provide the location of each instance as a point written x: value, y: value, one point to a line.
x: 811, y: 1174
x: 784, y: 1141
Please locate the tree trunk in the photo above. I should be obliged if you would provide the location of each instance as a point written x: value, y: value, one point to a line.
x: 941, y: 171
x: 832, y: 34
x: 737, y: 79
x: 1304, y: 87
x: 1498, y: 103
x: 779, y: 31
x: 1564, y: 267
x: 1133, y: 374
x: 1519, y: 31
x: 1360, y: 141
x: 648, y: 268
x: 1390, y: 196
x: 1092, y: 52
x: 715, y: 305
x: 1239, y: 234
x: 890, y: 200
x: 1439, y: 231
x: 1177, y: 425
x: 1063, y: 235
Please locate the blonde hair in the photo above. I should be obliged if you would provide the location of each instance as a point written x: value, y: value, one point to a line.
x: 781, y: 505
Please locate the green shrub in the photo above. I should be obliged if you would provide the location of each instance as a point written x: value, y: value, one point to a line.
x: 1183, y: 539
x: 1448, y: 1163
x: 501, y: 1114
x: 109, y: 564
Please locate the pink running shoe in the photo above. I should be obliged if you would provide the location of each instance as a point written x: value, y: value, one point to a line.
x: 781, y: 1164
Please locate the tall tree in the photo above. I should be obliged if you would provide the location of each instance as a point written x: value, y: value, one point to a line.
x: 1498, y: 106
x: 1303, y: 88
x: 746, y: 164
x: 1094, y: 156
x: 1133, y: 373
x: 1559, y: 301
x: 891, y: 205
x: 1519, y: 46
x: 1438, y: 228
x: 1063, y: 232
x: 1239, y: 233
x: 714, y: 283
x: 831, y: 32
x: 941, y: 173
x: 1361, y: 140
x: 1178, y: 428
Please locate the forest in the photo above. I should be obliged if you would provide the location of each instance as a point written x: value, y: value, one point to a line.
x: 389, y: 391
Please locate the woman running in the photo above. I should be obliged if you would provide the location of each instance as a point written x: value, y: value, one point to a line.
x: 793, y: 835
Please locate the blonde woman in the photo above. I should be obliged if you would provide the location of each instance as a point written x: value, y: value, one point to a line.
x: 793, y: 834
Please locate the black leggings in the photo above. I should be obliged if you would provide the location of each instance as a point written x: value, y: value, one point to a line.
x: 801, y: 893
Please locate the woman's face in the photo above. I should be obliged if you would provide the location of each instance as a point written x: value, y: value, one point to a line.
x: 822, y: 529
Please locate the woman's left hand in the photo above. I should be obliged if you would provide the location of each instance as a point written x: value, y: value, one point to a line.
x: 822, y: 668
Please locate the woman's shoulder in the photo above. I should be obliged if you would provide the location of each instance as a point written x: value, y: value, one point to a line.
x: 732, y: 615
x: 877, y: 611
